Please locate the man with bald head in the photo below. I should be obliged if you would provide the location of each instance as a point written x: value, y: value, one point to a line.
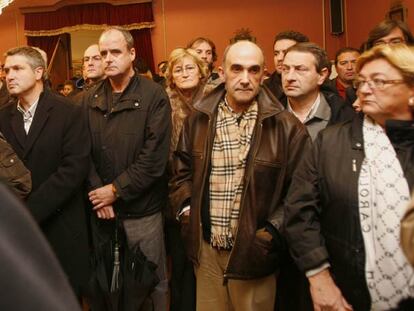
x: 93, y: 66
x: 232, y: 168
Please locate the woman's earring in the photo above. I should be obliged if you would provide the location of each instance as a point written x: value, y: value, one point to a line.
x: 411, y: 101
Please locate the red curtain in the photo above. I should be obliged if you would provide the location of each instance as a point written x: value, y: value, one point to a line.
x: 92, y: 14
x: 47, y: 44
x: 42, y: 29
x: 143, y: 46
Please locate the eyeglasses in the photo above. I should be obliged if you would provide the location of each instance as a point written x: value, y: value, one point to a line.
x: 392, y: 41
x: 375, y: 84
x: 190, y: 69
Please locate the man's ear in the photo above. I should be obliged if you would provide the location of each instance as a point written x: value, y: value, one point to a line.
x: 323, y: 75
x: 39, y: 72
x: 221, y: 72
x: 132, y: 54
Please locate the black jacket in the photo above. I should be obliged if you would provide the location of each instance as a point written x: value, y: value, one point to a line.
x: 322, y: 217
x: 130, y: 144
x: 277, y: 144
x: 56, y: 151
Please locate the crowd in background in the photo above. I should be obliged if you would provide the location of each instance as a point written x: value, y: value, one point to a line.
x: 204, y: 187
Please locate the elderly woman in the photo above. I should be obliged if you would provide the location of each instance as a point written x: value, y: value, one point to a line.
x: 351, y: 190
x: 185, y: 76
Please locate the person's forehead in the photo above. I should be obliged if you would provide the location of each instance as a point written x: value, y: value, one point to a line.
x: 378, y: 66
x: 112, y: 37
x: 299, y: 58
x: 92, y: 50
x: 395, y: 33
x: 202, y: 45
x: 16, y: 59
x: 348, y: 55
x: 283, y: 44
x: 245, y: 54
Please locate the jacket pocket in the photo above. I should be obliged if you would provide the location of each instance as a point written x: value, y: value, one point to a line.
x: 14, y: 173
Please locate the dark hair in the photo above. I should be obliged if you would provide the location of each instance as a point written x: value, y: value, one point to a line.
x: 243, y: 34
x: 208, y: 41
x: 345, y: 50
x: 69, y: 82
x: 141, y: 65
x: 291, y: 35
x: 164, y: 65
x: 385, y: 27
x: 321, y: 58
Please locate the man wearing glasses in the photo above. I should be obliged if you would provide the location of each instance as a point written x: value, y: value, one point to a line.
x: 390, y: 32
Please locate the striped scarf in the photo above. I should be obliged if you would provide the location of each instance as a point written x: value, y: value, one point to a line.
x: 228, y: 162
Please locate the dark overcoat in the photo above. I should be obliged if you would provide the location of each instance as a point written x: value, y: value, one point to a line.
x: 56, y: 151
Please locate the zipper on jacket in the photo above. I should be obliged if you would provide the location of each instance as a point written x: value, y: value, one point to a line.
x: 246, y: 179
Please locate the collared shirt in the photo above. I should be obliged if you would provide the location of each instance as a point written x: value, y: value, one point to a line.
x: 318, y: 116
x: 28, y: 115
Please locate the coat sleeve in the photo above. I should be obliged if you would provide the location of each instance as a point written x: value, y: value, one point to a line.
x: 12, y: 170
x: 181, y: 180
x: 303, y: 210
x: 151, y: 162
x: 70, y: 175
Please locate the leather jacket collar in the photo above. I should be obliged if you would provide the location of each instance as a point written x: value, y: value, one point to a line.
x: 268, y: 105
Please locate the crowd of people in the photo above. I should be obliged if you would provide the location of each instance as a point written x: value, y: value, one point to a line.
x: 204, y: 188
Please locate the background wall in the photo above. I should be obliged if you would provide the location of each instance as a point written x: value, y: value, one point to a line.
x: 178, y: 21
x: 362, y: 16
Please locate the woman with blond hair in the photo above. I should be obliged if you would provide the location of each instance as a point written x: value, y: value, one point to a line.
x: 185, y: 77
x: 351, y: 190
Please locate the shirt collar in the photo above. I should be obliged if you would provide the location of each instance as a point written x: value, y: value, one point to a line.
x: 31, y: 111
x: 312, y: 111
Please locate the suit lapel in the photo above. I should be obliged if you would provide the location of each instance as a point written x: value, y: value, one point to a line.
x: 39, y: 121
x: 16, y: 122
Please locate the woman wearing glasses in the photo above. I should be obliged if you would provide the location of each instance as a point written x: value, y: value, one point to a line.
x: 349, y: 193
x: 186, y: 76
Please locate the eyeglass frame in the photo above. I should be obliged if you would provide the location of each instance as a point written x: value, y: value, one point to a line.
x: 188, y: 69
x: 393, y: 41
x: 373, y: 83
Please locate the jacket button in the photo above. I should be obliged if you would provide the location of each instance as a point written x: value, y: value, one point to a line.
x: 11, y: 160
x: 96, y: 96
x: 136, y: 104
x: 358, y: 145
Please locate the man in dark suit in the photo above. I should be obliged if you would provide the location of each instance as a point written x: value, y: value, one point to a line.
x: 48, y: 133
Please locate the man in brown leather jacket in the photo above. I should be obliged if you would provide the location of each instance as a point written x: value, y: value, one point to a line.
x: 232, y: 168
x: 12, y: 170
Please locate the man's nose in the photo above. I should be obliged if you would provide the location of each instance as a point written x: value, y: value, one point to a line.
x: 280, y: 56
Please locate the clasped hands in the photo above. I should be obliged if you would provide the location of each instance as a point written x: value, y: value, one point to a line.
x: 102, y: 199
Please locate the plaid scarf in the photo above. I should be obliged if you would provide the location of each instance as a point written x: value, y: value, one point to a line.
x: 228, y: 162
